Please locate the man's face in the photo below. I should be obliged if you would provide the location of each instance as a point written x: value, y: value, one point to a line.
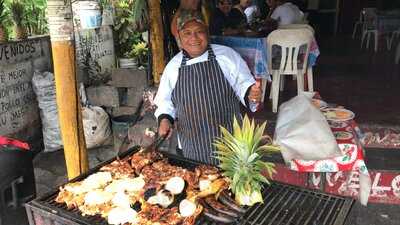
x: 194, y: 38
x: 271, y: 3
x: 225, y: 6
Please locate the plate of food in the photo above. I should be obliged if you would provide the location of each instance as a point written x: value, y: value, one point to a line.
x: 343, y: 135
x: 338, y: 114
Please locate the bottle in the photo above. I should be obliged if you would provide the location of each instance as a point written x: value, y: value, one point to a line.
x: 255, y: 106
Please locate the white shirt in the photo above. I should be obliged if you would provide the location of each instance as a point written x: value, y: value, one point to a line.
x: 251, y: 13
x: 287, y: 13
x: 232, y: 65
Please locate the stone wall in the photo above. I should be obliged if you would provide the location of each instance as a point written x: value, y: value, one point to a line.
x: 19, y: 112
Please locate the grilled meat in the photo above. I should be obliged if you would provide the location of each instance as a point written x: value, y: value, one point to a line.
x: 214, y: 215
x: 206, y: 172
x: 156, y: 214
x: 139, y: 160
x: 118, y: 169
x: 219, y: 207
x: 158, y: 173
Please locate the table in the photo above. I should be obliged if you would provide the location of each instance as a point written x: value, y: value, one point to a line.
x: 254, y: 51
x: 352, y: 159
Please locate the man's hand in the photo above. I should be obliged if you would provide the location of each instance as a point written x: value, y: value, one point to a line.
x: 165, y: 128
x: 255, y: 93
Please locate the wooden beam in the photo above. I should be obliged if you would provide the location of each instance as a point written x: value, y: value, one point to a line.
x: 156, y: 39
x: 69, y: 108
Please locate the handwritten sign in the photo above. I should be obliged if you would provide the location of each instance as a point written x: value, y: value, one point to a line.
x: 95, y: 49
x: 13, y: 52
x: 17, y: 101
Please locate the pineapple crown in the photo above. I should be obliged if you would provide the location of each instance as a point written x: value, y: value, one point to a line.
x: 240, y: 154
x: 17, y: 10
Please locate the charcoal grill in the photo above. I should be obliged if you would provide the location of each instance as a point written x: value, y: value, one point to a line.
x: 283, y: 204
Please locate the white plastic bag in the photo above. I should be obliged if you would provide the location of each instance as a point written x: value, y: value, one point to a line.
x: 96, y: 123
x: 96, y: 126
x: 45, y: 90
x: 303, y: 132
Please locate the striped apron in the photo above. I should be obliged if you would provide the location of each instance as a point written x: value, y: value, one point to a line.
x: 204, y: 100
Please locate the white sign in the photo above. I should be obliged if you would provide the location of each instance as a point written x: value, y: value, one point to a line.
x: 17, y: 100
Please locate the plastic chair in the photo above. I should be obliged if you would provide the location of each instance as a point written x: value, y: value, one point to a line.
x: 290, y: 41
x: 310, y: 82
x: 395, y: 35
x: 370, y: 27
x: 358, y: 23
x: 297, y: 26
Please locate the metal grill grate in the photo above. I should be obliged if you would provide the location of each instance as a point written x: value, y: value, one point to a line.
x: 290, y: 205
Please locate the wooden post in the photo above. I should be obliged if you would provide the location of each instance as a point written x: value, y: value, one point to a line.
x: 69, y: 109
x: 157, y: 39
x: 206, y: 11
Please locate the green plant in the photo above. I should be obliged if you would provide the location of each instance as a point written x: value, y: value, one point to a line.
x: 139, y: 51
x: 240, y: 154
x: 126, y: 33
x: 3, y: 19
x: 35, y: 16
x: 17, y: 12
x: 3, y: 11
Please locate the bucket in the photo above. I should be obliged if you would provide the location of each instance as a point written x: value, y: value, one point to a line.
x: 120, y: 128
x: 89, y: 14
x: 128, y: 63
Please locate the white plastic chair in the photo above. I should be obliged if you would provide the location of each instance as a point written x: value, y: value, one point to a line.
x: 370, y: 27
x: 395, y: 35
x: 358, y: 23
x: 297, y: 26
x: 310, y: 82
x: 290, y: 41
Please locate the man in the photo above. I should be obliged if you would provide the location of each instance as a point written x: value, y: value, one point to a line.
x: 285, y: 13
x: 201, y: 89
x: 252, y: 13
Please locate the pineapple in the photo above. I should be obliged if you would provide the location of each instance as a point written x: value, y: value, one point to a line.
x: 17, y: 10
x: 3, y: 17
x: 240, y: 155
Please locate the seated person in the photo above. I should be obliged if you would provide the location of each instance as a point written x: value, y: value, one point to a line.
x: 252, y: 12
x: 226, y: 20
x: 284, y: 13
x: 242, y: 6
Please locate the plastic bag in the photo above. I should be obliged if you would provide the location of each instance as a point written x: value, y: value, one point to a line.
x: 96, y: 126
x: 303, y: 132
x: 45, y: 90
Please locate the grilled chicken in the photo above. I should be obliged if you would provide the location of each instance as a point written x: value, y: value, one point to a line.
x: 139, y: 160
x: 118, y: 169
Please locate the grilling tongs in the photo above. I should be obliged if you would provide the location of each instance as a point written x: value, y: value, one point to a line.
x: 155, y: 144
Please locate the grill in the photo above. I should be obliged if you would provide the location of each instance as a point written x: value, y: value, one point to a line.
x: 283, y: 204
